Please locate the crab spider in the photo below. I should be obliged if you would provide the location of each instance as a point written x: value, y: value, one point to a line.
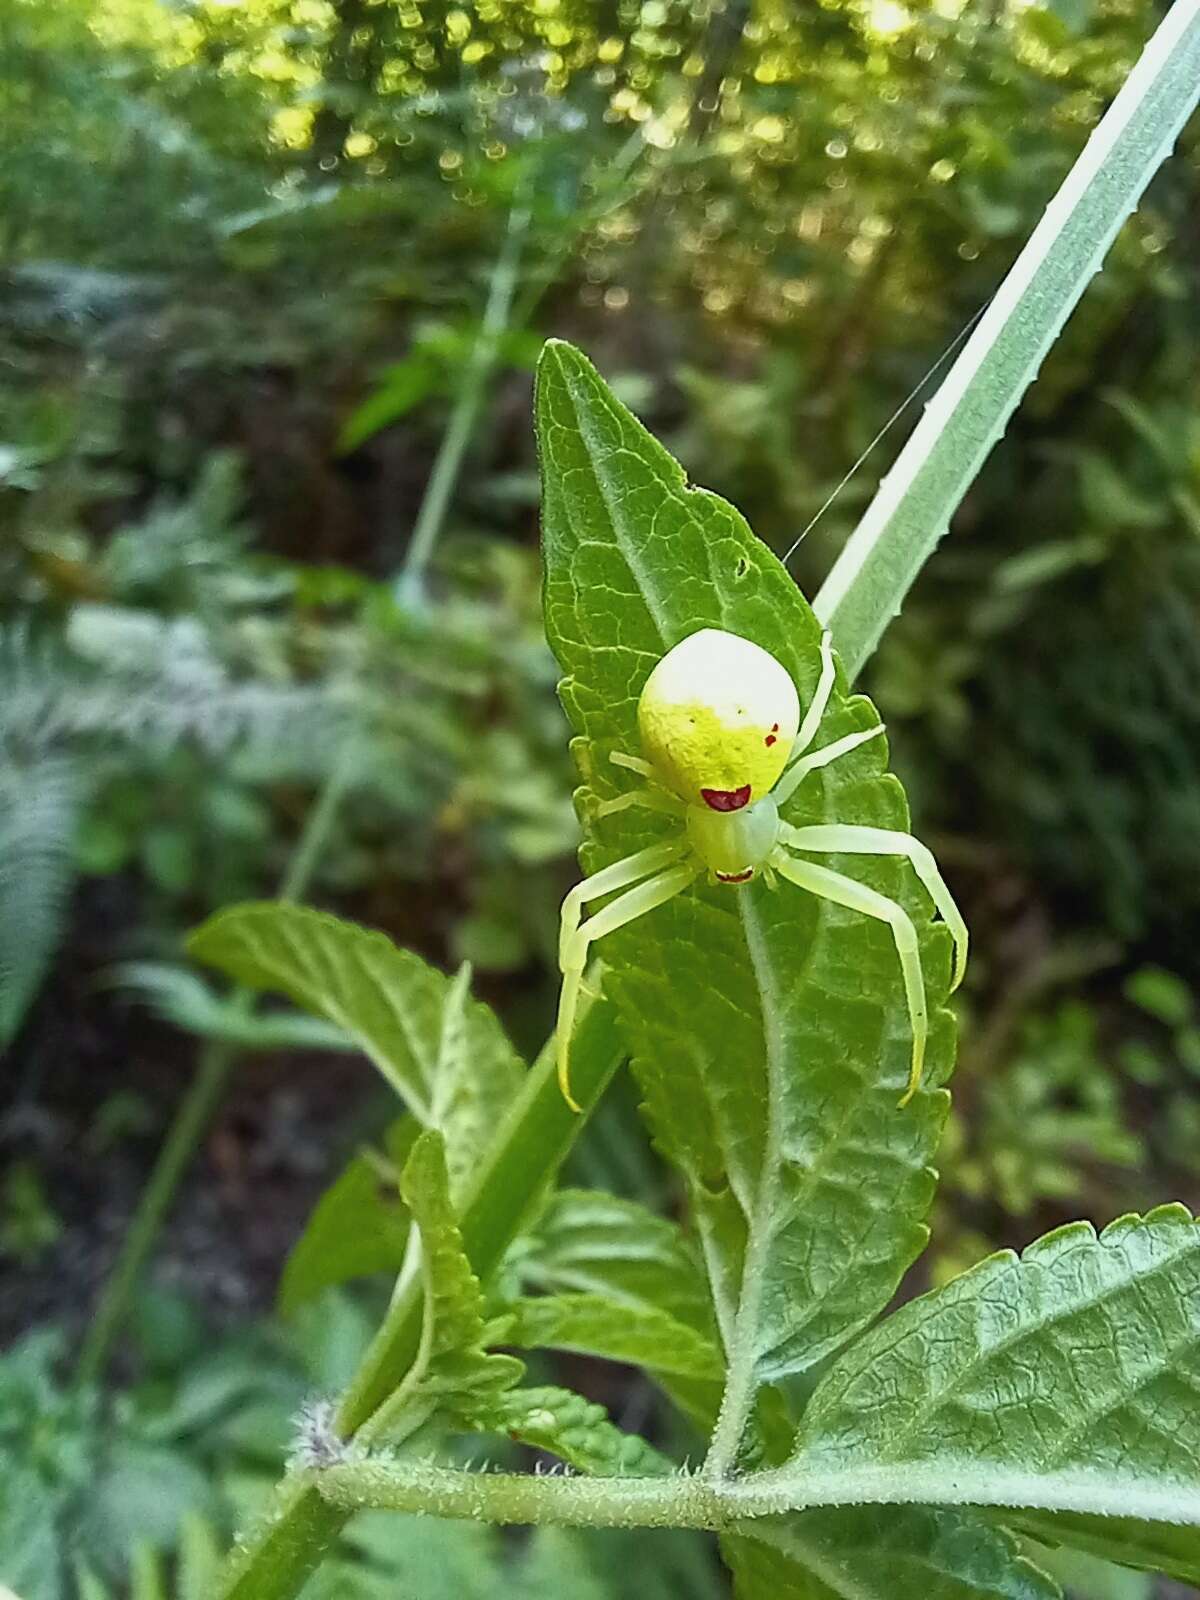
x: 724, y: 748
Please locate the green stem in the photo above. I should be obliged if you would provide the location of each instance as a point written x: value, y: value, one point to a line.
x: 463, y: 419
x: 525, y: 1498
x: 611, y: 191
x: 966, y: 417
x: 528, y: 1149
x: 197, y: 1108
x: 688, y: 1501
x: 319, y: 824
x: 497, y: 317
x: 192, y: 1117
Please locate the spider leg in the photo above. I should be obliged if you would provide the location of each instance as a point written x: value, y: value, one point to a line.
x: 633, y: 764
x: 843, y: 891
x: 658, y: 797
x: 653, y: 799
x: 847, y: 839
x: 795, y: 774
x: 609, y: 879
x: 636, y: 902
x: 807, y: 731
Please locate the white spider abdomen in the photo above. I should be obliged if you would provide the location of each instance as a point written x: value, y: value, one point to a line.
x: 717, y: 719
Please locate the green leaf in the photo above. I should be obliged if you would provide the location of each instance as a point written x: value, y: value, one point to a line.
x: 358, y: 1226
x: 39, y: 814
x: 179, y: 996
x: 968, y: 414
x: 601, y: 1245
x: 556, y: 1565
x: 1153, y: 1547
x: 1086, y: 1577
x: 769, y: 1030
x: 88, y: 1584
x: 882, y: 1553
x: 444, y: 1053
x: 30, y: 1544
x: 1163, y: 994
x: 578, y: 1432
x: 592, y: 1242
x: 405, y: 385
x: 1064, y: 1379
x: 594, y: 1325
x: 143, y: 1494
x: 452, y: 1366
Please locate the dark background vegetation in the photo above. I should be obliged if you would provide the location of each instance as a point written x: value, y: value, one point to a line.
x: 262, y: 266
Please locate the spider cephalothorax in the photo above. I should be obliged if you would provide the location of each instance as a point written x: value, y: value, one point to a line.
x: 724, y: 748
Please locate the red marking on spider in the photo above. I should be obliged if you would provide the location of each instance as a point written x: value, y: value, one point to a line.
x: 735, y: 877
x: 726, y: 799
x: 773, y: 736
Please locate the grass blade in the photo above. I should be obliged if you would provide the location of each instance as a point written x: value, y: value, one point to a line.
x: 915, y: 502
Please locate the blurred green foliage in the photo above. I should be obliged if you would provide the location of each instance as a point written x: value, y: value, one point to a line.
x: 245, y: 257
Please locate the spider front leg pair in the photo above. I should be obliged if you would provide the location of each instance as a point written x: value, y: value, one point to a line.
x: 719, y: 720
x: 664, y: 875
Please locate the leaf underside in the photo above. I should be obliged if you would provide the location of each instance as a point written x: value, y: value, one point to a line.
x: 358, y: 1226
x: 882, y: 1553
x: 1077, y: 1363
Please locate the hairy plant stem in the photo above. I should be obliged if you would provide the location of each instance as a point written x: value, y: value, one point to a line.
x: 198, y: 1106
x: 431, y: 516
x: 687, y: 1501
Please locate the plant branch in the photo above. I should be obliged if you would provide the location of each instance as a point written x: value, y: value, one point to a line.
x: 914, y: 504
x: 688, y: 1501
x: 456, y: 440
x: 194, y: 1113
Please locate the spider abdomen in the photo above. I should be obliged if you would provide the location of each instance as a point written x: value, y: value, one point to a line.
x: 717, y: 720
x: 734, y: 844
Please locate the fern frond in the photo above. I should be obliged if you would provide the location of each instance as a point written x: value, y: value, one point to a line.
x: 129, y: 677
x: 39, y: 810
